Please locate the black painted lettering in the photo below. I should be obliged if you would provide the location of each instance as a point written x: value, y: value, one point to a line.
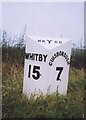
x: 36, y: 56
x: 60, y: 42
x: 60, y: 71
x: 40, y: 57
x: 49, y: 41
x: 55, y: 42
x: 39, y: 40
x: 57, y: 54
x: 50, y: 63
x: 35, y: 74
x: 31, y: 56
x: 45, y: 57
x: 43, y: 40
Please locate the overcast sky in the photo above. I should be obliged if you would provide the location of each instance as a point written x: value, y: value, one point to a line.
x: 45, y: 19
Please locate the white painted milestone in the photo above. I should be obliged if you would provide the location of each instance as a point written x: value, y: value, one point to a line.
x: 47, y: 62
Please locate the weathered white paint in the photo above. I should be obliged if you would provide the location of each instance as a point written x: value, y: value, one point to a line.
x: 46, y: 47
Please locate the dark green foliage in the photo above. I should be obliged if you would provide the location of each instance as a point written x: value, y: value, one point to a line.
x: 13, y: 55
x: 78, y: 58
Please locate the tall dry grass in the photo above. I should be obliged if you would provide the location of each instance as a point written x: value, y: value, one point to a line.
x: 16, y: 105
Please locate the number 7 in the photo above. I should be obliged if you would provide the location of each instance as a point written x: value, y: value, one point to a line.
x: 60, y: 71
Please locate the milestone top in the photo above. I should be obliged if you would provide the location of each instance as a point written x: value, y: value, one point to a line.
x: 46, y: 42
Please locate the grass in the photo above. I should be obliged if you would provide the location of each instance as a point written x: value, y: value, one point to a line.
x: 16, y: 105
